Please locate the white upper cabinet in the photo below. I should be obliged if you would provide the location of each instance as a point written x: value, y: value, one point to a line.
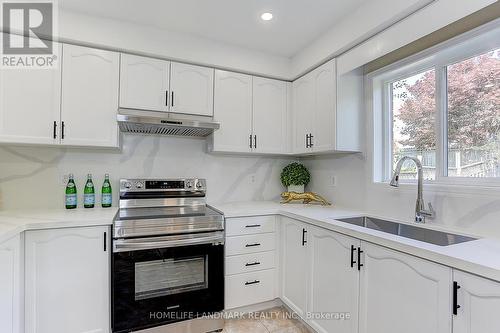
x: 334, y: 281
x: 90, y: 83
x: 269, y: 115
x: 402, y: 293
x: 294, y: 262
x: 144, y: 83
x: 30, y: 105
x: 303, y: 110
x: 192, y: 89
x: 253, y: 113
x: 67, y: 281
x: 318, y: 124
x: 11, y: 286
x: 323, y: 129
x: 233, y: 109
x: 477, y: 304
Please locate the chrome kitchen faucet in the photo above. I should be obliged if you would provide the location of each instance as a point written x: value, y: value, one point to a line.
x: 420, y: 212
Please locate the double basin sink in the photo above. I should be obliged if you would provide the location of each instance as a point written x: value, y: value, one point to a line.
x: 408, y: 231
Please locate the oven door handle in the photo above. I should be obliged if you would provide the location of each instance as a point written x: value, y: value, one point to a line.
x: 124, y: 245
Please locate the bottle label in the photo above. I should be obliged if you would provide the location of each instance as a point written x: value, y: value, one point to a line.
x: 106, y: 199
x: 89, y: 199
x: 70, y: 199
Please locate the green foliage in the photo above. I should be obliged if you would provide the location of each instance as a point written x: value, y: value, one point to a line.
x: 295, y: 174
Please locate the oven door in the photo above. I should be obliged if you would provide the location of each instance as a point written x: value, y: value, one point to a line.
x: 162, y: 280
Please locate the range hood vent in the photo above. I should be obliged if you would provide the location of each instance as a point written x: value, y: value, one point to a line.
x: 163, y: 123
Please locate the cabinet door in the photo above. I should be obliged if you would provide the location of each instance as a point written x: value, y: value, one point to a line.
x: 269, y: 115
x: 144, y: 83
x: 90, y: 82
x: 303, y: 108
x: 294, y: 256
x: 67, y: 281
x: 334, y: 287
x: 30, y: 105
x: 324, y: 109
x: 233, y: 109
x: 402, y: 293
x: 11, y: 286
x: 479, y: 301
x: 192, y: 89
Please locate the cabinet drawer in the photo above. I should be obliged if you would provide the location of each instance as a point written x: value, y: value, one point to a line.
x: 249, y: 288
x: 249, y: 244
x: 250, y: 225
x: 250, y: 262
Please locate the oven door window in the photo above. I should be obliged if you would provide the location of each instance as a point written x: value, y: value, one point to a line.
x: 171, y: 276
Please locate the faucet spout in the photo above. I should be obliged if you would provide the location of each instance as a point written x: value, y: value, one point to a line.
x: 420, y: 212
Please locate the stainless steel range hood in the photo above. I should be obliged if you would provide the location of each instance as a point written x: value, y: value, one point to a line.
x: 164, y: 123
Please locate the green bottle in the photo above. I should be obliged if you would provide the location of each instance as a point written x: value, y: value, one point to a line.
x: 71, y: 193
x: 106, y: 196
x: 89, y: 193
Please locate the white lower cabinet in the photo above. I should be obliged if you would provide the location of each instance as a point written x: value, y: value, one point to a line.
x: 334, y: 282
x: 403, y: 293
x: 251, y: 260
x: 249, y: 288
x: 478, y: 304
x: 11, y: 288
x: 294, y: 265
x: 67, y: 280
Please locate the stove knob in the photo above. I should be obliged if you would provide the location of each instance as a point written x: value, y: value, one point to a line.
x: 138, y: 185
x: 199, y: 185
x: 128, y: 185
x: 189, y: 184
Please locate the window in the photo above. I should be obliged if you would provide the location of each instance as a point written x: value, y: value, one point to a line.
x: 413, y: 128
x: 473, y: 100
x: 443, y: 107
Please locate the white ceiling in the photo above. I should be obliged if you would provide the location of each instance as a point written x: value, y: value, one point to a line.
x: 296, y: 23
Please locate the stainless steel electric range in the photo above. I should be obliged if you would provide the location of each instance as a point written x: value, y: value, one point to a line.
x: 168, y: 258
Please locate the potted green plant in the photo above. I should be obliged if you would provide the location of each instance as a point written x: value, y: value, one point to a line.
x: 295, y: 177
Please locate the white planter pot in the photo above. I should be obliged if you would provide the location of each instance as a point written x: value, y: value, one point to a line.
x: 296, y: 188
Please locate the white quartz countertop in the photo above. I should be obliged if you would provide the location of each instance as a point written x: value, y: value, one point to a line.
x: 16, y: 221
x: 480, y: 257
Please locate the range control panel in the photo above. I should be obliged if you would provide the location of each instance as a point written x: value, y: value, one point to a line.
x: 143, y: 185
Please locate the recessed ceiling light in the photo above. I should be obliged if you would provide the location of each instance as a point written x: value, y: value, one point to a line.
x: 267, y: 16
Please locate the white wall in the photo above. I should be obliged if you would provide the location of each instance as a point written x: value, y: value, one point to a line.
x: 31, y: 177
x: 150, y: 41
x: 366, y: 21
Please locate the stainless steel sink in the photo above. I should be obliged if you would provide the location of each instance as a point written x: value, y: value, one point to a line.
x: 404, y: 230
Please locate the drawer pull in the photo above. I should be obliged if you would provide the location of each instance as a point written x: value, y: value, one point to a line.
x: 252, y: 264
x: 252, y: 245
x: 252, y: 282
x: 253, y: 226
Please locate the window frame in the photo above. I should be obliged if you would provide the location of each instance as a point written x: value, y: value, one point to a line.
x: 439, y: 57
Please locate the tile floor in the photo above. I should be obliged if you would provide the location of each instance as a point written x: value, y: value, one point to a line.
x: 270, y: 321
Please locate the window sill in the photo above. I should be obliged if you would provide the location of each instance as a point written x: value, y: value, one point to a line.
x: 487, y: 189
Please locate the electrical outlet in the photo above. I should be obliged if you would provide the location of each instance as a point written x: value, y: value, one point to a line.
x: 333, y: 181
x: 253, y: 179
x: 64, y: 179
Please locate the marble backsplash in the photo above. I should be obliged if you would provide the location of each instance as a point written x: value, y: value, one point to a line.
x: 33, y: 177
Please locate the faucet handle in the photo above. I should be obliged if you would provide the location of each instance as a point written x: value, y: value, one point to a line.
x: 431, y: 212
